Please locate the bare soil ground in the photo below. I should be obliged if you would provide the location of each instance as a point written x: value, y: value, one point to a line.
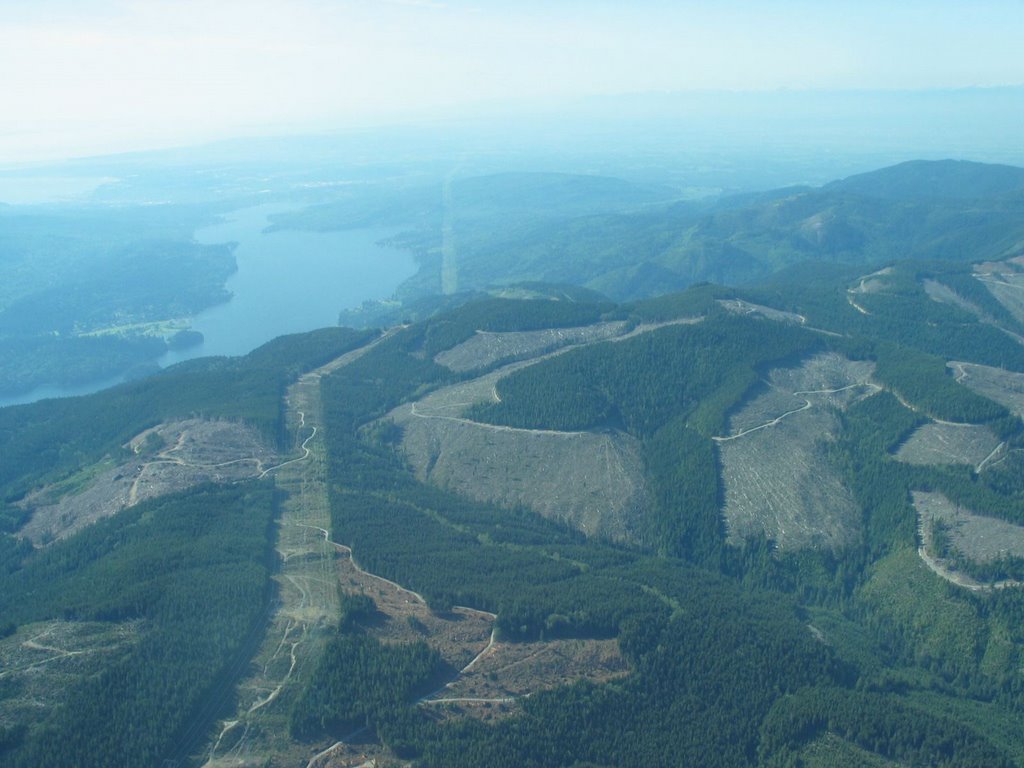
x: 945, y: 295
x: 168, y: 458
x: 876, y: 282
x: 980, y: 539
x: 1006, y: 282
x: 403, y: 617
x: 512, y: 671
x: 762, y: 409
x: 313, y: 569
x: 487, y: 348
x: 870, y: 285
x: 946, y: 443
x: 592, y: 480
x: 492, y: 676
x: 741, y: 307
x: 491, y: 672
x: 41, y: 661
x: 1005, y: 387
x: 1016, y: 264
x: 307, y: 602
x: 777, y: 479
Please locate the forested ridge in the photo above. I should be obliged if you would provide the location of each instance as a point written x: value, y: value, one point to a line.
x: 737, y: 655
x: 550, y: 584
x: 191, y: 570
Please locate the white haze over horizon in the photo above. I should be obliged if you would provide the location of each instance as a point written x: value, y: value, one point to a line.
x: 85, y: 77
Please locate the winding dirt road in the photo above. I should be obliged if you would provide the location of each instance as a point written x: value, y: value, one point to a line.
x: 304, y: 448
x: 807, y: 404
x: 307, y: 589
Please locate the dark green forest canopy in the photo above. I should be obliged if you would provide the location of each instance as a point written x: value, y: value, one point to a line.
x: 686, y: 368
x: 195, y: 570
x: 683, y: 627
x: 738, y: 655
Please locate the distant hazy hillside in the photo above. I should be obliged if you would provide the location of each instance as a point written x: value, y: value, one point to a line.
x: 552, y: 194
x: 914, y: 210
x: 942, y: 179
x: 89, y: 293
x: 493, y: 197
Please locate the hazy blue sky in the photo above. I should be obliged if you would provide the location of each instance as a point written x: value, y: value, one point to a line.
x: 86, y: 76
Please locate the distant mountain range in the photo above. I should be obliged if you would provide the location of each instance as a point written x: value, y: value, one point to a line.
x: 914, y: 210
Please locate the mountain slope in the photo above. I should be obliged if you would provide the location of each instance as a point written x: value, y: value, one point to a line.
x: 922, y: 210
x: 935, y: 180
x: 745, y: 643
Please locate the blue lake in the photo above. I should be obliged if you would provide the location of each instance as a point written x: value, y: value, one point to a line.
x: 287, y: 282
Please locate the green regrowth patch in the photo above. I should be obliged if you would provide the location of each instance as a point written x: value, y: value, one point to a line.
x: 41, y: 661
x: 939, y: 629
x: 870, y: 726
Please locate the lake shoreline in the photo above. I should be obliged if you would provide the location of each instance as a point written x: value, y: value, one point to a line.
x: 286, y: 281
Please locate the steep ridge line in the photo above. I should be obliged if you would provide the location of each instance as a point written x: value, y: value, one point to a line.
x: 506, y: 370
x: 415, y: 410
x: 307, y: 582
x: 308, y: 600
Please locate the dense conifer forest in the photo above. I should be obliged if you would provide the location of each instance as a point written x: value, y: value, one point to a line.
x: 736, y: 652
